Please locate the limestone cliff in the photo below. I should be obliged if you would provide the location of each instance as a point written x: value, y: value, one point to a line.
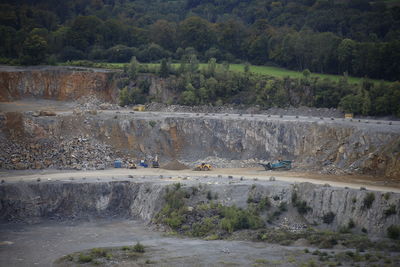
x: 59, y: 83
x: 334, y: 147
x: 142, y: 199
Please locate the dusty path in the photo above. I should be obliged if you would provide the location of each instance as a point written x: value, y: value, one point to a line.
x: 40, y: 245
x: 371, y: 183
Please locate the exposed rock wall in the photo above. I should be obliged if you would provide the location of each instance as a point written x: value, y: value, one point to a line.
x: 332, y: 147
x: 32, y: 202
x: 59, y: 83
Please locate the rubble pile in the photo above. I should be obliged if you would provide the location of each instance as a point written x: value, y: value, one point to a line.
x: 78, y: 153
x: 231, y: 109
x: 91, y: 102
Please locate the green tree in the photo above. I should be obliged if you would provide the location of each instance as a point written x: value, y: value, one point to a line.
x: 198, y: 33
x: 34, y: 50
x: 133, y: 68
x: 164, y: 69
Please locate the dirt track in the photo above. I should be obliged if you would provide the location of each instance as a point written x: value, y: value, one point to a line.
x: 371, y: 183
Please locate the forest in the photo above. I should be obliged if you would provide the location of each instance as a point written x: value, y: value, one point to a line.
x: 358, y: 38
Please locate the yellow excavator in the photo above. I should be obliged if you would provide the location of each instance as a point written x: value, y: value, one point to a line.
x: 203, y: 167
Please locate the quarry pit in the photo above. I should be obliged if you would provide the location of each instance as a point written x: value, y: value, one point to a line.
x: 58, y: 146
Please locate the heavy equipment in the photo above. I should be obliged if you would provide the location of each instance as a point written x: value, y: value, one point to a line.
x: 203, y: 167
x: 155, y: 163
x: 280, y: 165
x: 131, y: 165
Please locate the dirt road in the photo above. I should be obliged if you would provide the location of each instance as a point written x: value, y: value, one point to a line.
x: 371, y: 183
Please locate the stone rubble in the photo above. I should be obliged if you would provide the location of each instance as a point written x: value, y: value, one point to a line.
x: 78, y: 153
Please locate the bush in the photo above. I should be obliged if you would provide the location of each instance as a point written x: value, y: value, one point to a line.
x: 328, y: 217
x: 283, y: 206
x: 138, y: 248
x: 393, y: 231
x: 264, y: 204
x: 84, y: 258
x: 351, y: 224
x: 98, y: 252
x: 368, y: 200
x: 390, y: 211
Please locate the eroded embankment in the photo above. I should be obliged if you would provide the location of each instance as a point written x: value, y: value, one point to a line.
x: 93, y: 141
x: 143, y: 199
x: 60, y: 83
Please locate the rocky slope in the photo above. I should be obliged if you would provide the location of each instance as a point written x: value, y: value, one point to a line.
x: 60, y: 83
x: 144, y: 198
x: 330, y: 146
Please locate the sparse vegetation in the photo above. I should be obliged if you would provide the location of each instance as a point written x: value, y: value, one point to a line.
x: 393, y: 231
x: 138, y: 248
x: 328, y: 217
x: 301, y: 205
x: 368, y: 200
x: 390, y: 211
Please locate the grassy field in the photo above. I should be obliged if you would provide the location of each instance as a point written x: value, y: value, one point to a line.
x: 264, y: 70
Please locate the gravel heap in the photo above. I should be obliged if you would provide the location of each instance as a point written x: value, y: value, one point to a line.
x: 78, y: 153
x: 175, y: 165
x: 230, y: 109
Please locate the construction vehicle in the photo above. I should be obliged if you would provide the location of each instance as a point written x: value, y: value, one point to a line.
x: 139, y: 108
x: 203, y: 167
x: 155, y: 163
x: 143, y: 163
x: 131, y: 165
x: 280, y: 165
x: 348, y: 115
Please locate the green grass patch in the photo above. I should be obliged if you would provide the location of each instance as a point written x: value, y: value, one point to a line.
x: 262, y: 70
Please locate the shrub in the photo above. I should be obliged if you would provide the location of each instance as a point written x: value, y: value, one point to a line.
x: 302, y: 207
x: 152, y: 123
x: 98, y: 252
x: 84, y: 258
x: 351, y: 224
x: 264, y: 204
x: 328, y: 217
x: 283, y: 206
x: 209, y: 195
x: 138, y: 248
x: 393, y: 231
x: 390, y: 211
x: 368, y: 200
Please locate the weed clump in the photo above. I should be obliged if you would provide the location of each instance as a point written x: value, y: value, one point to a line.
x: 393, y: 231
x: 84, y: 258
x: 390, y: 211
x: 328, y: 217
x: 301, y: 205
x: 368, y: 200
x: 138, y: 248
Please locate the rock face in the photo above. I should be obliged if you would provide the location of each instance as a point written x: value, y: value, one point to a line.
x: 32, y: 202
x: 59, y: 83
x: 330, y: 147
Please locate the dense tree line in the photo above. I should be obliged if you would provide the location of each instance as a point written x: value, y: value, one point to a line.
x: 217, y: 85
x: 357, y: 37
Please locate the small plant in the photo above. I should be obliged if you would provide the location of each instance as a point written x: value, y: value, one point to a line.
x: 351, y: 224
x: 354, y: 200
x: 264, y: 204
x: 393, y: 231
x: 368, y: 200
x: 98, y: 252
x: 138, y: 248
x: 152, y: 123
x: 386, y: 196
x: 390, y: 211
x: 283, y: 206
x: 209, y: 195
x: 364, y: 230
x: 84, y: 258
x: 328, y: 217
